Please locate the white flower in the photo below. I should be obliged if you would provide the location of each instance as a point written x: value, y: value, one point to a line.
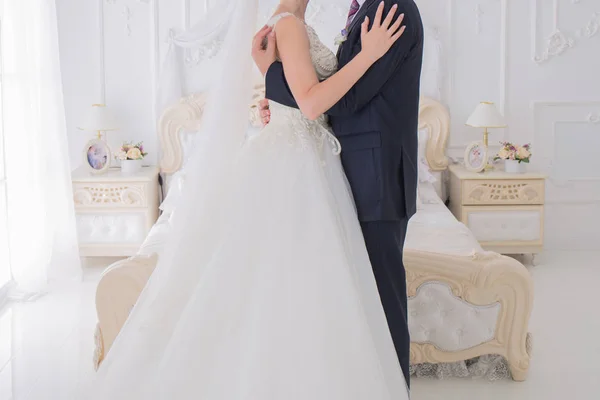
x: 523, y: 153
x: 503, y: 154
x: 134, y: 154
x: 342, y: 37
x: 121, y: 155
x: 339, y: 39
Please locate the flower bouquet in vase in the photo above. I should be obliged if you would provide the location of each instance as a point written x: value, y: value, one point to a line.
x: 131, y: 157
x: 515, y: 157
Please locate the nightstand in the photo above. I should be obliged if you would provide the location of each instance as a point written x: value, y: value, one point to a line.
x: 114, y: 212
x: 504, y: 211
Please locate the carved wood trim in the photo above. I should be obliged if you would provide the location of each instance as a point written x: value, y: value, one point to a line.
x: 117, y: 292
x: 482, y: 279
x: 109, y: 195
x: 434, y: 117
x: 501, y: 192
x: 186, y: 115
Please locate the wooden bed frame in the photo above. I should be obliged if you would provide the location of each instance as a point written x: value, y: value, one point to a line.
x: 481, y: 279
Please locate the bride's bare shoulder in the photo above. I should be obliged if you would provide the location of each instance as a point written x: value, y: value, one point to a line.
x: 288, y: 26
x: 284, y: 18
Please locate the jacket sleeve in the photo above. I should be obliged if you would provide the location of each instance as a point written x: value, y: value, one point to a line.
x: 377, y: 76
x: 277, y: 88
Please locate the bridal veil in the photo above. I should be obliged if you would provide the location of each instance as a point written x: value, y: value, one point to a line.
x: 140, y: 362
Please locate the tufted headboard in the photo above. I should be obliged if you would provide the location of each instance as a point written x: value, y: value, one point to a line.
x: 185, y: 117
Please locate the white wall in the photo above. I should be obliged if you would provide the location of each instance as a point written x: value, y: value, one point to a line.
x: 495, y: 50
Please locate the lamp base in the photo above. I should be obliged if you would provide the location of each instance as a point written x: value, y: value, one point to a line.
x: 486, y: 136
x: 488, y: 165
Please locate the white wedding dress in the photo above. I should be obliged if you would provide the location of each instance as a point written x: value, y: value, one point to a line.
x: 281, y: 302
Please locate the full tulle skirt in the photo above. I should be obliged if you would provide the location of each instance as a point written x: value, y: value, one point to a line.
x: 277, y: 300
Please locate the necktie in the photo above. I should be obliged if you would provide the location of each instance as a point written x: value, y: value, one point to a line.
x: 354, y: 7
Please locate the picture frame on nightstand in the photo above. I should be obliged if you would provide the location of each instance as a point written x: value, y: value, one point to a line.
x: 476, y: 157
x: 96, y: 156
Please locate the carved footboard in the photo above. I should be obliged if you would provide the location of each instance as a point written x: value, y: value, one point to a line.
x: 118, y: 291
x: 492, y: 293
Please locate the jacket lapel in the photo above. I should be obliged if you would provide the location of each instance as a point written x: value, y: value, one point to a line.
x: 361, y: 13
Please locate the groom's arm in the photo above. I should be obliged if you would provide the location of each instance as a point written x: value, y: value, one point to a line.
x: 277, y: 88
x: 373, y: 82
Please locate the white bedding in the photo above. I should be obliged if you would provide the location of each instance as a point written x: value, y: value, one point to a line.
x: 434, y: 229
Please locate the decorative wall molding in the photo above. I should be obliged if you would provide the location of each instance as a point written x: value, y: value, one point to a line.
x: 128, y: 15
x: 127, y: 12
x: 548, y: 116
x: 139, y: 1
x: 187, y: 14
x: 504, y: 60
x: 591, y: 28
x: 560, y: 40
x: 155, y: 57
x: 594, y: 117
x: 478, y: 14
x: 102, y: 45
x: 457, y: 150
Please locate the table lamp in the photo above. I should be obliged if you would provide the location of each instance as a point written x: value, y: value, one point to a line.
x: 486, y: 116
x: 99, y: 119
x: 96, y: 153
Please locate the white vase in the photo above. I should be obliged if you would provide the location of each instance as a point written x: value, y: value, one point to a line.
x: 131, y: 167
x: 514, y: 167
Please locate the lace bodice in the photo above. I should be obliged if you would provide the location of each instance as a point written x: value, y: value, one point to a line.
x: 323, y: 59
x: 286, y: 118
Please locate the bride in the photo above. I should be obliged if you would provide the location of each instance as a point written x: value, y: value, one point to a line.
x: 265, y: 290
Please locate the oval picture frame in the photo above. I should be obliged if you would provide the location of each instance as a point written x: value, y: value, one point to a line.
x: 476, y: 156
x: 96, y: 156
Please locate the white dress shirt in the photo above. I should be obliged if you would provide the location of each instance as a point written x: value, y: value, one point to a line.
x: 360, y: 3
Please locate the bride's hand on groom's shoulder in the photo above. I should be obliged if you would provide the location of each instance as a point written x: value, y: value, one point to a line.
x: 383, y: 34
x: 263, y: 55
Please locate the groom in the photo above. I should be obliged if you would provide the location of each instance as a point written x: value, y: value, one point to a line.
x: 376, y: 123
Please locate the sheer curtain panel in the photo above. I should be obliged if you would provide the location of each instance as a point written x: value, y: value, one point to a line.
x: 41, y: 220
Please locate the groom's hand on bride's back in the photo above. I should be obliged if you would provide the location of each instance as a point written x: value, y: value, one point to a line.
x: 265, y: 112
x: 264, y: 48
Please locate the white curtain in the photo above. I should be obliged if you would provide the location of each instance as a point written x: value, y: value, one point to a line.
x: 41, y: 221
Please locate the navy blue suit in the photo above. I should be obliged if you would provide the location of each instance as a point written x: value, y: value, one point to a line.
x: 376, y: 123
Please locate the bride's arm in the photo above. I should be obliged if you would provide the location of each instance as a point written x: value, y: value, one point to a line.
x: 314, y: 97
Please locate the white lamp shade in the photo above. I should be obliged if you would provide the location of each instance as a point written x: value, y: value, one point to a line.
x: 486, y: 115
x: 99, y: 118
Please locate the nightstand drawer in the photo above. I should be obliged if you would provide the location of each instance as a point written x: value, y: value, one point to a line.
x: 498, y: 192
x: 497, y: 225
x: 112, y: 228
x: 110, y: 195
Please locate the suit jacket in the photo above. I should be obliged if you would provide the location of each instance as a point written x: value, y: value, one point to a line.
x: 376, y: 122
